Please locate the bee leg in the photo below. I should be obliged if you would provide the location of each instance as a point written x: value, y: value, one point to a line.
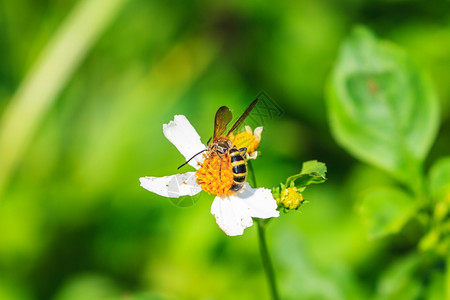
x: 243, y: 150
x: 220, y: 167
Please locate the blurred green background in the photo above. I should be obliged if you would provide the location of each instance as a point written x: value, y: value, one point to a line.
x: 85, y: 87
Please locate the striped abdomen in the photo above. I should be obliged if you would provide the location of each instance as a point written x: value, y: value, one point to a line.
x: 239, y: 169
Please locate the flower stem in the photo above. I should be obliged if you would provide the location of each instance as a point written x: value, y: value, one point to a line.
x: 251, y: 173
x: 447, y: 279
x: 268, y: 268
x: 266, y: 259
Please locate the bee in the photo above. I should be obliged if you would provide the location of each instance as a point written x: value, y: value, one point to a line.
x: 222, y: 145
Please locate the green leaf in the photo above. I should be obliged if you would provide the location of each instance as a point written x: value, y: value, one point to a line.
x: 88, y: 287
x: 385, y: 211
x: 430, y: 240
x: 439, y: 179
x: 312, y: 172
x: 399, y: 282
x: 381, y: 108
x: 436, y: 287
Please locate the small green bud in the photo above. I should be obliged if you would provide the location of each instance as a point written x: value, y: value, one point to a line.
x: 290, y: 198
x: 289, y: 194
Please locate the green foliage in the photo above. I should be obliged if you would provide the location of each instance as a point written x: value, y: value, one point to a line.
x: 438, y: 238
x: 289, y: 194
x: 385, y: 211
x: 100, y: 79
x: 381, y: 107
x: 89, y: 287
x: 383, y: 110
x: 312, y: 172
x: 399, y: 282
x: 439, y: 179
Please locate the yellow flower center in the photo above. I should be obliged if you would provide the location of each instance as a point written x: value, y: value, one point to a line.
x: 214, y: 179
x: 245, y: 140
x: 290, y: 198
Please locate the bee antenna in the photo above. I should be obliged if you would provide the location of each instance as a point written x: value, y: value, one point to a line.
x: 191, y: 159
x: 207, y: 143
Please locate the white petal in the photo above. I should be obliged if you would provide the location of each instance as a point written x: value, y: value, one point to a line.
x: 259, y: 202
x: 252, y: 155
x: 257, y: 133
x: 230, y: 215
x: 181, y: 133
x: 172, y: 186
x: 234, y: 213
x: 248, y: 129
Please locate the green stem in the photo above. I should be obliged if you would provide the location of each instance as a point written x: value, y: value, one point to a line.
x: 447, y: 279
x: 48, y: 76
x: 268, y: 268
x: 251, y: 174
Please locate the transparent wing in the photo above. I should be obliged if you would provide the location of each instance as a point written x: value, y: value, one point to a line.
x: 244, y: 115
x: 223, y: 117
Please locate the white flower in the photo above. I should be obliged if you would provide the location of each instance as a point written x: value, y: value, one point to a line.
x: 233, y: 212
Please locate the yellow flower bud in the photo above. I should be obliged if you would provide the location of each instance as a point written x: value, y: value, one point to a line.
x: 290, y: 198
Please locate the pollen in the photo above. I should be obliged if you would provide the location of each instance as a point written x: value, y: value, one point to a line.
x: 213, y: 178
x: 290, y: 198
x: 247, y: 139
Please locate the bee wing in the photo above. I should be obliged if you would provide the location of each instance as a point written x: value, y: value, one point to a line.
x: 223, y: 117
x: 244, y: 115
